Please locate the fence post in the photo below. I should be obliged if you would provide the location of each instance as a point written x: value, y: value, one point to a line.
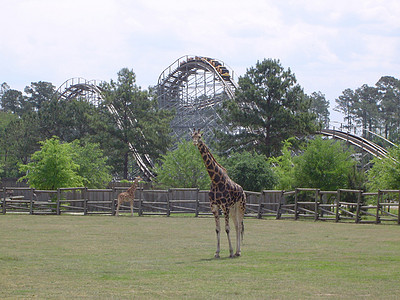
x: 378, y: 208
x: 337, y: 206
x: 358, y: 217
x: 296, y: 205
x: 31, y: 203
x: 113, y: 201
x: 85, y: 200
x: 4, y: 200
x: 58, y: 201
x: 398, y: 210
x: 140, y: 209
x: 278, y: 211
x: 168, y: 203
x: 316, y: 216
x: 197, y: 203
x: 259, y: 212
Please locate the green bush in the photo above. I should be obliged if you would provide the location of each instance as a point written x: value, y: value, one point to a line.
x: 52, y: 167
x: 251, y: 170
x: 385, y: 172
x: 182, y: 168
x: 58, y: 165
x: 325, y: 164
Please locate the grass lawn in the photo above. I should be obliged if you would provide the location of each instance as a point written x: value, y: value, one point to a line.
x: 106, y: 257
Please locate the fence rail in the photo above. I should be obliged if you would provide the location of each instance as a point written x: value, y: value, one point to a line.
x: 341, y: 205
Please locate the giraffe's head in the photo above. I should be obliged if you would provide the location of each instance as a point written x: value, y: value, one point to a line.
x: 196, y: 136
x: 135, y: 184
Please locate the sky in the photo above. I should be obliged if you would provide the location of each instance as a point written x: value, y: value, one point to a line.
x: 329, y: 45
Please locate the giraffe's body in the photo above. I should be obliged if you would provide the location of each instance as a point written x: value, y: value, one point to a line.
x: 128, y: 196
x: 224, y: 194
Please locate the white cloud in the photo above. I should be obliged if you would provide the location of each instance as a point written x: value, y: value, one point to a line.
x: 329, y: 45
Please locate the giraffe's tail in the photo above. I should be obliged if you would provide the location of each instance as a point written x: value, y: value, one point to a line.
x: 242, y: 231
x: 237, y: 214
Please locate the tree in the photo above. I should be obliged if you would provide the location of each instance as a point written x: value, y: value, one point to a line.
x: 367, y: 108
x: 3, y: 88
x: 325, y: 164
x: 385, y: 172
x: 7, y: 152
x: 320, y: 107
x: 39, y: 93
x: 52, y: 167
x: 388, y: 89
x: 346, y: 105
x: 360, y: 107
x: 13, y: 101
x: 93, y: 166
x: 183, y: 167
x: 132, y: 118
x: 268, y: 108
x: 283, y: 167
x: 251, y: 170
x: 69, y: 119
x: 21, y: 137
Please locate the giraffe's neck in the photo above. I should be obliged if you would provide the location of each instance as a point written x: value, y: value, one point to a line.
x: 132, y: 189
x: 212, y: 166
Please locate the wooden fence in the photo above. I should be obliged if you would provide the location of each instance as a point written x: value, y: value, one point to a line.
x: 338, y: 206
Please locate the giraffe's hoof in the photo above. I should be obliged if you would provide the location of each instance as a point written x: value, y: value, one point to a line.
x: 216, y: 255
x: 237, y: 255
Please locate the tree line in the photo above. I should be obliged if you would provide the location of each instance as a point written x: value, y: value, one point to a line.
x: 271, y: 123
x: 40, y: 114
x: 376, y: 109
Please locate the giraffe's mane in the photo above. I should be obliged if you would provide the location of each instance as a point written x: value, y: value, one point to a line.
x: 213, y: 158
x: 134, y: 185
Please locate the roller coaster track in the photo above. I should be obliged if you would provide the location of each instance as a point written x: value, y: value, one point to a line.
x: 173, y: 77
x: 194, y: 86
x: 143, y: 161
x: 360, y: 142
x: 92, y: 92
x: 80, y: 87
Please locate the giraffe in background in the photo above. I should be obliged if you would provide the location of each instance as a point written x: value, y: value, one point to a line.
x: 128, y: 196
x: 224, y: 194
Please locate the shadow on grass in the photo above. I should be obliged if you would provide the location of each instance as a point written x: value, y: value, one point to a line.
x: 217, y: 259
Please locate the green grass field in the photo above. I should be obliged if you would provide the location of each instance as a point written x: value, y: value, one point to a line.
x: 105, y: 257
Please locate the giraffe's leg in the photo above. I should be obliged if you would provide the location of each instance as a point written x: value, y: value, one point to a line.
x: 237, y: 215
x: 227, y: 229
x: 234, y: 214
x: 116, y: 214
x: 131, y: 208
x: 242, y: 211
x: 214, y: 209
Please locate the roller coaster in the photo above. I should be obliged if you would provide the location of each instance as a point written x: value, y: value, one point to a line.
x: 194, y: 87
x: 79, y: 87
x: 91, y: 91
x: 358, y: 141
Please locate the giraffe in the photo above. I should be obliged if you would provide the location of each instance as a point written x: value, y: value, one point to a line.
x: 128, y: 196
x: 224, y: 194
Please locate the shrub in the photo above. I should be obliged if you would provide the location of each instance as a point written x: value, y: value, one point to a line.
x: 251, y: 170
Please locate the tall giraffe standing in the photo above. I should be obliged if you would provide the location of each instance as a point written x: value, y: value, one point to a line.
x: 224, y: 194
x: 128, y: 196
